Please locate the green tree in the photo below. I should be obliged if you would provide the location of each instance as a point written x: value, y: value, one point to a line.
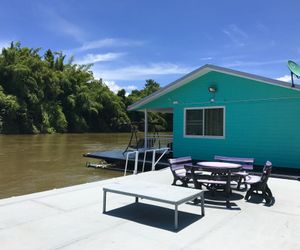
x: 44, y: 94
x: 161, y: 122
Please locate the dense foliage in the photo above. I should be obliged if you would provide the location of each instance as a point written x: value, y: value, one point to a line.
x: 157, y: 121
x: 43, y: 94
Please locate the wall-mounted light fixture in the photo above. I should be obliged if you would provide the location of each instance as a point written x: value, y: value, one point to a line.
x: 212, y: 89
x: 173, y: 101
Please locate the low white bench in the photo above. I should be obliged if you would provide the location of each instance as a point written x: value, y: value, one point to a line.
x: 156, y: 192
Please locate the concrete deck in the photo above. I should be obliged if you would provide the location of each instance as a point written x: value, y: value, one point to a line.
x: 71, y: 218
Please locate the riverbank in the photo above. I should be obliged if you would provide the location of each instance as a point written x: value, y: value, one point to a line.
x: 71, y: 218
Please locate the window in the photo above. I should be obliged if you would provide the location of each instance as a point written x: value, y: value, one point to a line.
x: 204, y: 122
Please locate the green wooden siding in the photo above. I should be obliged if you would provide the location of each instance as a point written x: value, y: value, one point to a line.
x: 261, y: 120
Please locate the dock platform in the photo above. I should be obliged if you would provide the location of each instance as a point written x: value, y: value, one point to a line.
x: 71, y: 218
x: 117, y: 157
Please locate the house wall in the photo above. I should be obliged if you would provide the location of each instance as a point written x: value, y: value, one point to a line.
x: 261, y: 120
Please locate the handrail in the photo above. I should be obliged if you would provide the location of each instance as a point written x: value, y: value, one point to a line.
x: 160, y: 135
x: 144, y: 161
x: 135, y: 162
x: 160, y: 141
x: 154, y: 163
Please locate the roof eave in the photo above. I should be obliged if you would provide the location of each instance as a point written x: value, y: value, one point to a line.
x: 203, y: 70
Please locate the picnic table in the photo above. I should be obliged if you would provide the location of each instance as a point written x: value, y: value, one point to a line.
x: 220, y: 175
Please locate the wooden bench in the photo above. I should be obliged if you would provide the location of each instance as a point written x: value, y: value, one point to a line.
x: 247, y: 164
x: 155, y: 192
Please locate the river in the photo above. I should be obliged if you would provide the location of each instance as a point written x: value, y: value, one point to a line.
x: 34, y: 163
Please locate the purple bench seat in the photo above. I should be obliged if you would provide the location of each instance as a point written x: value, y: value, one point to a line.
x: 178, y: 170
x: 247, y: 163
x: 259, y: 183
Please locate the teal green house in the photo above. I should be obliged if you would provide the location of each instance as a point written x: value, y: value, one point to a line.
x: 219, y: 111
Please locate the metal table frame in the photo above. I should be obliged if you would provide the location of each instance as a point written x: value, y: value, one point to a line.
x: 153, y: 198
x: 227, y: 169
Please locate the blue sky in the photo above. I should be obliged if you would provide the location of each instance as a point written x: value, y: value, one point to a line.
x: 132, y: 40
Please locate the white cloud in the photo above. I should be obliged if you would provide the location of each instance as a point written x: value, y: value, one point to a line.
x: 131, y: 87
x: 206, y: 58
x: 108, y: 42
x: 59, y: 24
x: 140, y: 72
x: 238, y: 31
x: 285, y: 78
x: 114, y: 87
x: 4, y: 44
x: 94, y: 58
x: 232, y: 37
x: 254, y: 63
x: 236, y: 35
x: 263, y: 28
x: 70, y: 29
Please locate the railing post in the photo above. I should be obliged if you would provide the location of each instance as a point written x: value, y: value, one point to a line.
x: 153, y: 160
x: 146, y: 129
x: 136, y: 162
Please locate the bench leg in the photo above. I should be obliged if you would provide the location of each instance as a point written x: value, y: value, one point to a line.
x: 249, y: 193
x: 268, y: 191
x: 136, y: 199
x: 176, y: 217
x: 104, y: 201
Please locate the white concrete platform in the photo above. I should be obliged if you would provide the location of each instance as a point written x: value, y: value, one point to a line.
x: 71, y: 218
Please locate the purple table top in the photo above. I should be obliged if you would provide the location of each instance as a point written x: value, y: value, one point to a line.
x: 219, y: 165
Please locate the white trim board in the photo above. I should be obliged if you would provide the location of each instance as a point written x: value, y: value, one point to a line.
x: 204, y: 136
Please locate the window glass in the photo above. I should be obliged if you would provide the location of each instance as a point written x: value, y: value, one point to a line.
x: 204, y: 122
x: 213, y: 122
x: 194, y: 122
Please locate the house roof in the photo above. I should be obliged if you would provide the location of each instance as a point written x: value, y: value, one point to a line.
x: 201, y: 71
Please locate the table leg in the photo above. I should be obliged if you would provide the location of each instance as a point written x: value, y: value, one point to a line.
x: 104, y: 201
x: 176, y: 217
x: 202, y: 204
x: 228, y: 190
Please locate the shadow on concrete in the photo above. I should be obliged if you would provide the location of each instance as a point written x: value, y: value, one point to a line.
x: 258, y: 199
x: 218, y: 200
x: 155, y: 216
x: 220, y: 196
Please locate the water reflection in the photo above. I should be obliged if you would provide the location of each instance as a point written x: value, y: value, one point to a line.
x: 33, y: 163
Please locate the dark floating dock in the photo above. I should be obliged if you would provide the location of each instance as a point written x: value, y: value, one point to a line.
x: 107, y: 155
x: 117, y: 158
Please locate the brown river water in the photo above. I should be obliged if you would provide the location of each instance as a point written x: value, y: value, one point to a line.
x: 34, y: 163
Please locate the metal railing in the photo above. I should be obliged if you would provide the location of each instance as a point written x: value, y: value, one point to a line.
x: 160, y: 140
x: 136, y: 161
x: 162, y: 144
x: 154, y: 163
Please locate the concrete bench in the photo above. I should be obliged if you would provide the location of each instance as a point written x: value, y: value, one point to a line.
x: 155, y: 192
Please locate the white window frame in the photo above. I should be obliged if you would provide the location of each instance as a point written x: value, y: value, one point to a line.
x: 204, y: 136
